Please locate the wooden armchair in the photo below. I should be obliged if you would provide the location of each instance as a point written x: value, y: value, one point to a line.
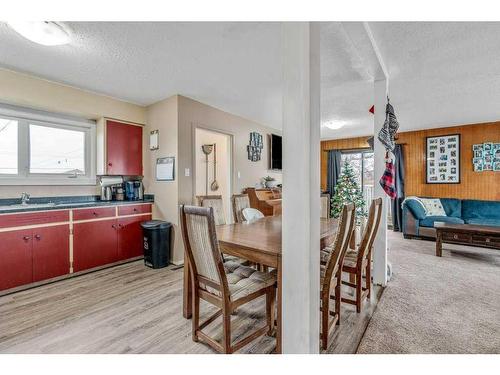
x: 331, y: 272
x: 357, y: 262
x: 225, y: 285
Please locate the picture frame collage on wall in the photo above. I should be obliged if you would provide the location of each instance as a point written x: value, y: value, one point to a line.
x: 486, y: 157
x: 443, y: 159
x: 255, y: 146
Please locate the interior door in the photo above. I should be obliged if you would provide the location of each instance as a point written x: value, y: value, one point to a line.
x: 94, y: 244
x: 50, y: 252
x: 130, y: 242
x: 15, y: 258
x: 123, y: 149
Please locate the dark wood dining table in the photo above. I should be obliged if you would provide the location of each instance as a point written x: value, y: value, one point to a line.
x: 257, y: 242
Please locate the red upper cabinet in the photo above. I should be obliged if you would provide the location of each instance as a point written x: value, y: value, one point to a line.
x: 16, y: 266
x: 123, y: 149
x: 50, y: 252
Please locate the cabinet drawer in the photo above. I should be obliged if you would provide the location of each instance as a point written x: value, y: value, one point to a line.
x: 93, y: 213
x: 33, y: 218
x: 453, y: 236
x: 486, y: 240
x: 134, y: 209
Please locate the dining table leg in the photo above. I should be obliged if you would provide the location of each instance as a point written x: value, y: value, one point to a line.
x: 187, y: 303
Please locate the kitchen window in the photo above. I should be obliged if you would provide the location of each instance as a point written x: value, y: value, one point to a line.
x: 40, y: 148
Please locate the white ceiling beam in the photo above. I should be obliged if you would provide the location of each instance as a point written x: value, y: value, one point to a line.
x: 362, y: 39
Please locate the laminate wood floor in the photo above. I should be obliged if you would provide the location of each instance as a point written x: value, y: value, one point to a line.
x: 134, y: 309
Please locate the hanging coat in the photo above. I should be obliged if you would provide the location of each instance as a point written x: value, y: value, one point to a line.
x: 389, y: 129
x: 387, y: 181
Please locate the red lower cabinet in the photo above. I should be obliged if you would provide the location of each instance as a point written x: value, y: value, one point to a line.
x: 50, y: 252
x: 94, y: 244
x: 130, y: 242
x: 16, y: 267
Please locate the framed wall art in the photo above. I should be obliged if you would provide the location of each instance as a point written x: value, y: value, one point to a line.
x: 486, y: 157
x: 255, y: 146
x: 443, y: 159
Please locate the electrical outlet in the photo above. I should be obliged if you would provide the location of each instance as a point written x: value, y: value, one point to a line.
x: 186, y: 172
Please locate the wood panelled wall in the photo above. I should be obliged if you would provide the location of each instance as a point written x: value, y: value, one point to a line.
x: 473, y: 185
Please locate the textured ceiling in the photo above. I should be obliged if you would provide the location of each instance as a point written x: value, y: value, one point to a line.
x: 441, y: 74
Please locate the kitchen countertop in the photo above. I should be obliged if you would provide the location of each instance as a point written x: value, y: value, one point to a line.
x: 14, y: 205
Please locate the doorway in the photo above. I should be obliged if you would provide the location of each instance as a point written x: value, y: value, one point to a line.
x: 213, y: 169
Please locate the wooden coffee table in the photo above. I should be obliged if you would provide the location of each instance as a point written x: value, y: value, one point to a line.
x: 466, y: 234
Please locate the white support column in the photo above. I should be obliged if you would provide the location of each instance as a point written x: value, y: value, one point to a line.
x: 381, y: 88
x: 301, y: 187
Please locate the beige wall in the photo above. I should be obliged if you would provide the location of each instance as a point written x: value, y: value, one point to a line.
x: 24, y: 90
x: 223, y: 167
x: 163, y: 116
x: 193, y: 114
x: 176, y: 118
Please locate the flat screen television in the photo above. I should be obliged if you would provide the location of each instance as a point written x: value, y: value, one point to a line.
x: 275, y: 152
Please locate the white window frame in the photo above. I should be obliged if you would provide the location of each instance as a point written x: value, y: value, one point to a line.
x: 25, y: 117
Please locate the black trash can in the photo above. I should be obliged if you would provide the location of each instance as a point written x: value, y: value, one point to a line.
x: 156, y: 243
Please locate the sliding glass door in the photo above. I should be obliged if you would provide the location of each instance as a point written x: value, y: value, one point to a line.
x: 362, y: 164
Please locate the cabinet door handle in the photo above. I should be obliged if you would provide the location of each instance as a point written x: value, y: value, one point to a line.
x: 113, y: 226
x: 94, y: 213
x: 135, y: 209
x: 38, y: 237
x: 26, y: 238
x: 110, y: 164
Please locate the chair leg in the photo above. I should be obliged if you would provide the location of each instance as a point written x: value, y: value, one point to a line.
x: 226, y: 318
x: 338, y: 296
x: 359, y: 289
x: 196, y: 315
x: 325, y: 310
x: 270, y: 299
x: 369, y: 279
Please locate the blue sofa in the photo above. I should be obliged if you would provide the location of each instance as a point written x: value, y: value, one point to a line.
x: 458, y: 211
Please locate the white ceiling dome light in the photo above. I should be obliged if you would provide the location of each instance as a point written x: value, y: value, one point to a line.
x: 47, y: 33
x: 335, y: 125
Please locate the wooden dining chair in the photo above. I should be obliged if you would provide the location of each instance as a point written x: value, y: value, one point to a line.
x: 357, y: 262
x: 240, y: 202
x: 325, y: 206
x: 214, y: 201
x: 226, y: 286
x: 331, y: 272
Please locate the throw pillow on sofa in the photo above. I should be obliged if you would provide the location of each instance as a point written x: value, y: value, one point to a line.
x: 433, y: 207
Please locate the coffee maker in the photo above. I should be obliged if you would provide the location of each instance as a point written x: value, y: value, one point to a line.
x: 107, y: 184
x: 134, y: 190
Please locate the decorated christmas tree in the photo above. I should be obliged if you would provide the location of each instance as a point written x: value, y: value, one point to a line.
x: 348, y: 190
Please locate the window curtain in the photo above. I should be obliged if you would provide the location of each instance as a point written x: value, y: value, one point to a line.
x: 333, y: 171
x: 399, y: 167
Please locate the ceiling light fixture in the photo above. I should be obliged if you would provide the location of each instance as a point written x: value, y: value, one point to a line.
x: 334, y: 125
x: 47, y: 33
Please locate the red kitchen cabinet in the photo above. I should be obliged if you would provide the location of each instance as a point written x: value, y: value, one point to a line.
x: 50, y: 252
x: 123, y: 149
x: 94, y: 244
x: 130, y: 242
x: 16, y: 267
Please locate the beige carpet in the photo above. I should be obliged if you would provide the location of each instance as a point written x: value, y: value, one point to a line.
x: 437, y: 305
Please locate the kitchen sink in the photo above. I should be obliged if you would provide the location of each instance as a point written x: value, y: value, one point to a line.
x: 26, y: 206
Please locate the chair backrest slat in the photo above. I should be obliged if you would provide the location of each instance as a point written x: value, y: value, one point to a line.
x: 214, y: 201
x: 370, y: 232
x: 341, y: 242
x: 240, y: 202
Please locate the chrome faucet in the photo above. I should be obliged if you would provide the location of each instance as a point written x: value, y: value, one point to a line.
x: 25, y: 198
